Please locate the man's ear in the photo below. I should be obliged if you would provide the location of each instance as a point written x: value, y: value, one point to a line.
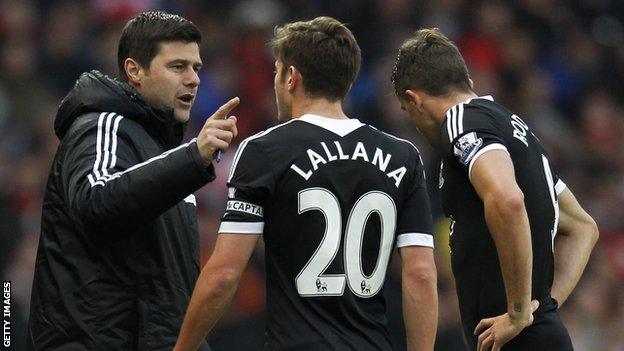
x: 415, y: 97
x: 471, y: 83
x: 293, y: 78
x: 134, y: 71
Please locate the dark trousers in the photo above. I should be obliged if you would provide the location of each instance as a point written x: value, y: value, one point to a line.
x: 547, y: 333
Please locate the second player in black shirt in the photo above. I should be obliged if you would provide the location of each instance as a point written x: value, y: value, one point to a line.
x: 508, y: 209
x: 470, y: 130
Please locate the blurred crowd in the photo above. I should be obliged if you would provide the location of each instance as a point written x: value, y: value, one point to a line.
x: 557, y: 64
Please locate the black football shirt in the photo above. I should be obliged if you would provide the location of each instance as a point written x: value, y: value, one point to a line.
x: 332, y: 198
x: 471, y: 129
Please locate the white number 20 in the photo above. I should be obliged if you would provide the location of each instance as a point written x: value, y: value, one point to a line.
x: 311, y: 281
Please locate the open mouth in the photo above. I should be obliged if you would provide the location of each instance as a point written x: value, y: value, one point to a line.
x: 186, y: 98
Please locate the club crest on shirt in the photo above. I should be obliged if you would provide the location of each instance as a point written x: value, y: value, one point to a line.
x: 466, y: 147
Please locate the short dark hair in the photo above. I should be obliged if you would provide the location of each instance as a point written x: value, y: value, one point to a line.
x: 143, y: 34
x: 430, y: 61
x: 324, y: 50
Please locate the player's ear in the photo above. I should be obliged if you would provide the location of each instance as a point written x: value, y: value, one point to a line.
x: 414, y: 97
x: 471, y: 83
x: 133, y: 71
x: 293, y: 78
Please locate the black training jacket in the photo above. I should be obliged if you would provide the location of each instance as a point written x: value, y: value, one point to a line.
x: 118, y: 255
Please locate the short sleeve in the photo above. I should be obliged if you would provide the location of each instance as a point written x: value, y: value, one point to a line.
x: 250, y: 185
x: 468, y: 133
x: 415, y: 225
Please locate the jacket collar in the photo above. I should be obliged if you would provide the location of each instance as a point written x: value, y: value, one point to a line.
x: 96, y: 92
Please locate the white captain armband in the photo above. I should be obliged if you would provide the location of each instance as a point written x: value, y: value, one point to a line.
x: 245, y: 207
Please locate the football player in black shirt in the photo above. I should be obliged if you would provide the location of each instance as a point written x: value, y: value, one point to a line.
x: 331, y: 197
x: 519, y: 239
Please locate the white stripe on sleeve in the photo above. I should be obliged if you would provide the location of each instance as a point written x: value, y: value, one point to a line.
x: 107, y: 143
x: 102, y: 181
x: 414, y: 239
x: 495, y: 146
x: 454, y: 123
x: 242, y: 227
x: 449, y: 115
x: 114, y: 147
x: 460, y: 119
x: 98, y: 147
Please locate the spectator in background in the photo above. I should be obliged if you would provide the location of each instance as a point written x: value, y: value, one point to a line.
x: 118, y: 254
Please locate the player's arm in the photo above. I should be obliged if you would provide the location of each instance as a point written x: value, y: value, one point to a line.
x: 493, y: 178
x: 215, y: 287
x: 418, y: 274
x: 242, y: 224
x: 576, y: 236
x: 420, y: 296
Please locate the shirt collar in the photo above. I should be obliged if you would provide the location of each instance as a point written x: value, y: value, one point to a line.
x: 341, y: 127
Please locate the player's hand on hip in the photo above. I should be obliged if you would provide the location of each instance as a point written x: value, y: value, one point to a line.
x: 497, y: 331
x: 218, y: 131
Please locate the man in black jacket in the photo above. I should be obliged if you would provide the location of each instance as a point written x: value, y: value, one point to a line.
x: 118, y: 255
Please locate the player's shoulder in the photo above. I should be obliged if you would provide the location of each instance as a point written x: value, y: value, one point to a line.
x: 391, y: 140
x: 486, y: 106
x: 270, y: 134
x: 476, y: 114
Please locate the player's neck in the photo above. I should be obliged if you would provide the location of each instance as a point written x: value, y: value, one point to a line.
x: 320, y: 107
x: 451, y: 100
x: 436, y: 108
x: 447, y: 102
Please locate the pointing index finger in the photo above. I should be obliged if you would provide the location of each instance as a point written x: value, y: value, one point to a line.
x: 226, y: 108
